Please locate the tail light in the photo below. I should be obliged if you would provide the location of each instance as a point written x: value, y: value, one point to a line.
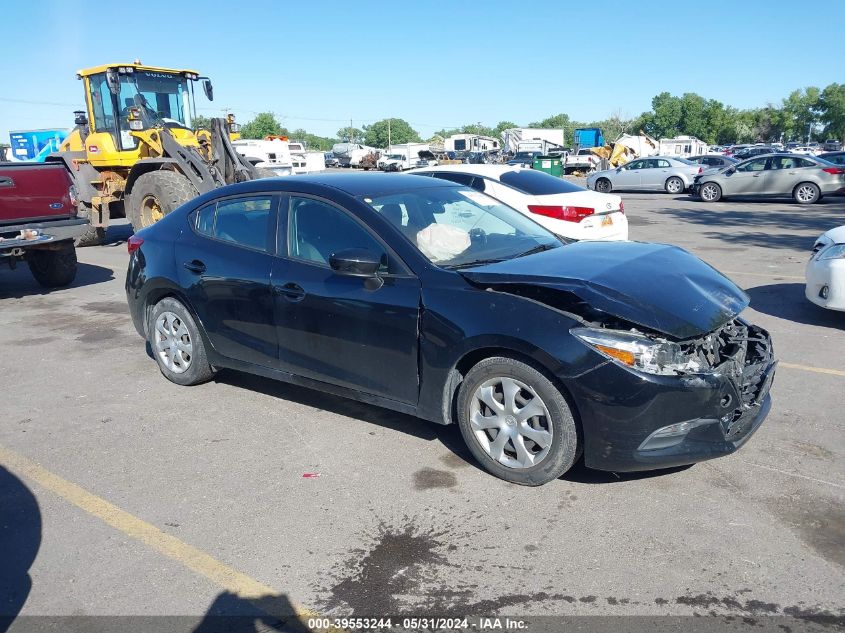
x: 622, y: 208
x: 568, y: 214
x: 700, y: 169
x: 74, y: 201
x: 834, y: 170
x: 133, y: 244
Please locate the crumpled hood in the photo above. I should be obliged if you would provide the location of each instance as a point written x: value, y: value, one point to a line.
x: 657, y: 286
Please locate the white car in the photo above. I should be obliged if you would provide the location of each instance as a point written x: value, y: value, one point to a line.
x: 825, y: 272
x: 803, y: 149
x: 562, y: 207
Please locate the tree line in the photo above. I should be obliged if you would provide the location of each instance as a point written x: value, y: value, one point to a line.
x: 814, y: 113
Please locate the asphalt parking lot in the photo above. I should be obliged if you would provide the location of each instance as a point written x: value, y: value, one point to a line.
x: 132, y: 496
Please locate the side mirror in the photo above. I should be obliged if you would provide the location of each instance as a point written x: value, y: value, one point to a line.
x: 619, y: 169
x: 79, y: 118
x: 113, y: 81
x: 208, y: 89
x: 356, y: 262
x: 730, y: 171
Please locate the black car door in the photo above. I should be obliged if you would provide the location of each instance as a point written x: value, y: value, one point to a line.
x: 224, y: 266
x: 337, y: 328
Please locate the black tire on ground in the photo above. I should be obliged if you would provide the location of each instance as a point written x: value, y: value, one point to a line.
x: 198, y: 370
x: 53, y: 268
x: 263, y: 172
x: 603, y: 185
x: 806, y: 193
x: 155, y: 194
x: 674, y: 185
x: 564, y: 447
x: 710, y: 192
x: 94, y: 235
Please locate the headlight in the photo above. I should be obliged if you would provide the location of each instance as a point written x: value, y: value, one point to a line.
x: 837, y: 251
x: 637, y: 351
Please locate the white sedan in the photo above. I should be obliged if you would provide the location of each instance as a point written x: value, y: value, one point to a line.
x: 825, y: 272
x: 559, y: 205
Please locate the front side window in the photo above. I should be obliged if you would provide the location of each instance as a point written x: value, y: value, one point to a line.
x: 459, y: 226
x: 637, y: 164
x: 317, y: 230
x: 753, y: 165
x: 242, y: 221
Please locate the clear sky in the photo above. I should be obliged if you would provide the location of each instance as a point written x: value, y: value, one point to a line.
x: 439, y: 63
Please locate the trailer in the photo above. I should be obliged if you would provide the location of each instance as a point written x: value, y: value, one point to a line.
x: 471, y: 143
x: 682, y: 146
x: 512, y: 137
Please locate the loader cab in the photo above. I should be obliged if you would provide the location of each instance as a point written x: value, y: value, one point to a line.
x: 127, y: 99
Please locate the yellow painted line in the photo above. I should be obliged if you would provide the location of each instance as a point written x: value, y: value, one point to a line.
x: 187, y: 555
x: 818, y: 370
x: 768, y: 276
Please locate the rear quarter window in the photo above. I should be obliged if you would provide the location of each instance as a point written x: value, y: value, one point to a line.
x: 537, y: 183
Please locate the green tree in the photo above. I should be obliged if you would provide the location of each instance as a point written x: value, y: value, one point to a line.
x: 390, y: 131
x: 801, y: 110
x: 501, y: 126
x: 264, y: 124
x: 667, y: 114
x: 350, y: 135
x: 558, y: 121
x: 201, y: 122
x: 832, y: 110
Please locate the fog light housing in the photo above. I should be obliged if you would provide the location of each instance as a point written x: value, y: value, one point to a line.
x: 671, y: 435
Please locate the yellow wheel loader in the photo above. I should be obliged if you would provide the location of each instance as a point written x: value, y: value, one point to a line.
x: 134, y: 151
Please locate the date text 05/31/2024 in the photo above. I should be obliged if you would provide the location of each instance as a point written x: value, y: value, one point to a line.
x: 417, y: 624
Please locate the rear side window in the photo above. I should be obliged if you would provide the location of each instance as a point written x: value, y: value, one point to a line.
x: 803, y: 162
x: 242, y: 221
x: 537, y: 183
x: 663, y: 163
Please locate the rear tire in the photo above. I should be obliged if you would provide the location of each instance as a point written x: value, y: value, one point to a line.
x: 674, y: 185
x: 806, y: 193
x: 53, y: 268
x: 177, y: 345
x: 155, y: 195
x: 603, y: 185
x: 94, y: 235
x: 538, y: 448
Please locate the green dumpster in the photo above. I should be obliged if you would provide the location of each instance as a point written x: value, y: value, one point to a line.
x: 549, y: 164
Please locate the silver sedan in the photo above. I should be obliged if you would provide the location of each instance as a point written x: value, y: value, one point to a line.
x: 804, y: 178
x: 655, y: 173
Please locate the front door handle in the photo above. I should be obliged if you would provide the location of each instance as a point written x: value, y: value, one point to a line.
x: 195, y: 266
x: 5, y: 181
x: 291, y: 291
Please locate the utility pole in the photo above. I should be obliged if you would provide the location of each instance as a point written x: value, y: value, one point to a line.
x: 388, y: 134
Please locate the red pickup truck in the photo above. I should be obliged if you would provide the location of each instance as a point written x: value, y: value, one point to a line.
x: 38, y: 222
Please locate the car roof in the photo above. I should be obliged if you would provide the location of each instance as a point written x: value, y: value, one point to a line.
x: 358, y: 183
x: 491, y: 171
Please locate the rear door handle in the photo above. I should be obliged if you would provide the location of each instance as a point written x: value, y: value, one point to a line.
x: 5, y: 181
x: 195, y: 266
x: 291, y: 291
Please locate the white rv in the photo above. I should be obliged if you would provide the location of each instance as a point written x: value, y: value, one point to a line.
x: 514, y: 136
x: 273, y: 154
x: 471, y: 143
x: 682, y: 146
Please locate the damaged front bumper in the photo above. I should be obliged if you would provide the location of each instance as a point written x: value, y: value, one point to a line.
x: 637, y: 421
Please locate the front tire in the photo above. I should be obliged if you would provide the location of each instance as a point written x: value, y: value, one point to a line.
x: 156, y: 194
x: 516, y: 422
x: 806, y: 193
x: 603, y: 185
x: 674, y: 185
x: 53, y: 268
x: 710, y: 192
x: 177, y: 345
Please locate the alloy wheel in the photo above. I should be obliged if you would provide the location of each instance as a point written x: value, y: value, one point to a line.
x: 709, y: 192
x: 805, y: 193
x: 674, y: 185
x: 511, y: 422
x: 172, y: 343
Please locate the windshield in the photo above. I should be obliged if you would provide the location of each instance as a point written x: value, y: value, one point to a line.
x: 396, y: 157
x: 526, y: 154
x: 457, y: 226
x: 161, y: 97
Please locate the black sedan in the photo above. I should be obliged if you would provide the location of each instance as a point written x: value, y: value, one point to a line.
x: 433, y: 299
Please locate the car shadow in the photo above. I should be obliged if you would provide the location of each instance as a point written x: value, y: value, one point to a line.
x: 20, y: 283
x: 448, y: 435
x: 20, y: 539
x: 787, y: 301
